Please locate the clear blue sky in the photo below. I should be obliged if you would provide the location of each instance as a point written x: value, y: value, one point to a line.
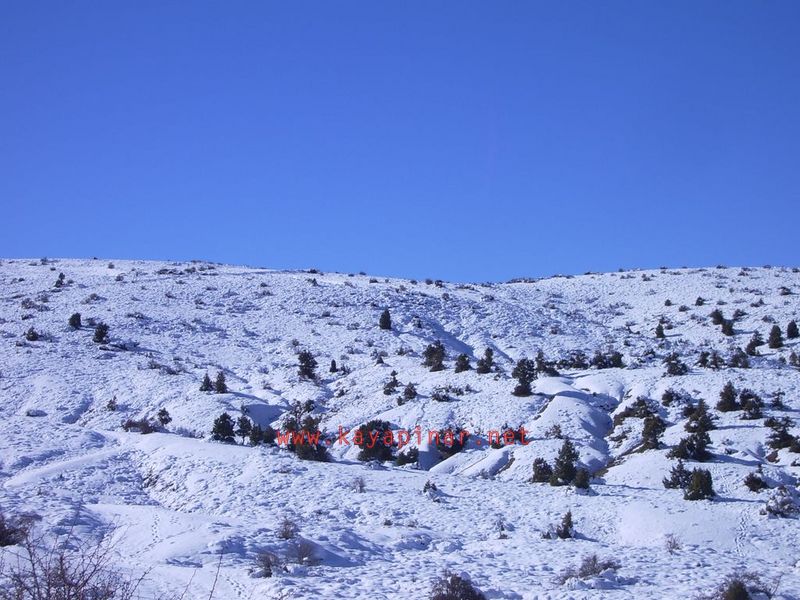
x: 459, y: 140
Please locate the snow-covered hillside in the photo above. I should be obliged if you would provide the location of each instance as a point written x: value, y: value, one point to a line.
x: 197, y: 513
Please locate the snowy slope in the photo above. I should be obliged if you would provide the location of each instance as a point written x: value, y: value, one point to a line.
x: 179, y: 503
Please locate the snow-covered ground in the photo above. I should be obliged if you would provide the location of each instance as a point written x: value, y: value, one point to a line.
x: 196, y: 513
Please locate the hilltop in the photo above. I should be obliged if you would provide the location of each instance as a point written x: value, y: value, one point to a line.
x: 180, y: 504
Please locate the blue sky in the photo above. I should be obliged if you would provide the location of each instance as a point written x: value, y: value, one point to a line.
x: 459, y: 140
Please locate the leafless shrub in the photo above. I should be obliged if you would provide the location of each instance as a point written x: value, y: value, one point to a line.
x: 187, y: 432
x: 591, y: 566
x: 741, y: 585
x: 671, y: 543
x: 287, y: 529
x: 554, y: 432
x: 359, y: 486
x: 301, y: 551
x: 266, y: 564
x: 13, y: 530
x: 451, y: 586
x: 143, y: 426
x: 64, y: 569
x: 165, y: 369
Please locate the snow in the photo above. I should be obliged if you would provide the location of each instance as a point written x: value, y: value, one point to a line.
x: 182, y: 506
